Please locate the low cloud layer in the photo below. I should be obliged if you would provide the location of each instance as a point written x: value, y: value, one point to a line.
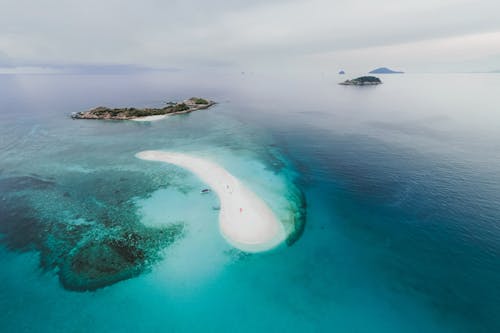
x: 437, y: 35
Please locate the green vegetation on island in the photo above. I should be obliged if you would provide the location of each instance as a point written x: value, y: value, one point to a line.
x: 198, y: 100
x: 102, y: 112
x: 362, y: 81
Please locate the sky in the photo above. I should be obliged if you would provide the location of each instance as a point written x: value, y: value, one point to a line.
x: 250, y: 35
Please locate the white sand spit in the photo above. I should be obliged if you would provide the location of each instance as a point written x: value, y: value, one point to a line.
x: 151, y: 118
x: 245, y: 220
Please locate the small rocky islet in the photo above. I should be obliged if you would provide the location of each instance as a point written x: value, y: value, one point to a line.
x: 129, y: 113
x: 385, y: 70
x: 362, y: 81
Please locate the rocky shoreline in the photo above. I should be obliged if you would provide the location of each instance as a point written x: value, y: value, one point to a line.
x: 362, y: 81
x: 186, y: 106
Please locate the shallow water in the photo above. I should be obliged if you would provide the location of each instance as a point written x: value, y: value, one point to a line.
x: 402, y: 183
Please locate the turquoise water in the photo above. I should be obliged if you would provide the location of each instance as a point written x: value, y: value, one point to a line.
x: 401, y: 184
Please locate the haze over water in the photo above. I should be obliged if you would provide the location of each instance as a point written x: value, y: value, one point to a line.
x: 401, y: 180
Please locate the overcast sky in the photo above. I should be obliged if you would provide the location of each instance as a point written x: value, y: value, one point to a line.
x: 413, y: 35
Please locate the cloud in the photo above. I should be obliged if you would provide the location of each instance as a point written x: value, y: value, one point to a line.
x: 476, y: 52
x: 219, y: 33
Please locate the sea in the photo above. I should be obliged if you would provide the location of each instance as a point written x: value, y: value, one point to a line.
x: 395, y: 189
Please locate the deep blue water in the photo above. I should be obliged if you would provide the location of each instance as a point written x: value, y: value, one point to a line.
x: 402, y: 184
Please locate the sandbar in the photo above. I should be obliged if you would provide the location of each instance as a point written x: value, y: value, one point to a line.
x: 245, y: 220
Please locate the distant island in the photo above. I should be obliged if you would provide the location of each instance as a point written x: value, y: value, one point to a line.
x: 341, y: 72
x: 385, y: 70
x: 102, y: 112
x: 362, y: 81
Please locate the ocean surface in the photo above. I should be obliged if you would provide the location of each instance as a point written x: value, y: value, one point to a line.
x: 400, y: 184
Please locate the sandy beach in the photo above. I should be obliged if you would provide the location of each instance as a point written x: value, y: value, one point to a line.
x: 245, y: 220
x: 151, y: 118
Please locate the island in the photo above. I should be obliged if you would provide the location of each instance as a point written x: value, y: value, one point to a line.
x: 385, y: 70
x: 145, y: 114
x: 362, y: 81
x: 341, y: 72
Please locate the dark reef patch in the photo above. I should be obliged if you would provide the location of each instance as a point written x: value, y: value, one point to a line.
x: 98, y: 263
x: 84, y: 225
x: 24, y: 182
x: 18, y: 224
x: 298, y: 199
x: 279, y: 165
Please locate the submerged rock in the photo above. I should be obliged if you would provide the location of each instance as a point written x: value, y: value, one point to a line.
x: 99, y: 263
